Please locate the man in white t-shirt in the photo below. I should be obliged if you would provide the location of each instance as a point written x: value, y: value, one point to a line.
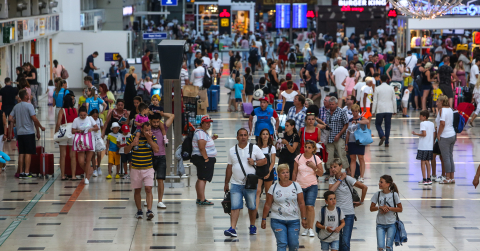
x: 341, y: 73
x: 250, y: 156
x: 366, y: 98
x: 217, y: 65
x: 439, y: 53
x: 474, y: 71
x: 358, y: 90
x: 411, y: 61
x: 207, y: 62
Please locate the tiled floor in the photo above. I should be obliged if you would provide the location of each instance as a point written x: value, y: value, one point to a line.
x: 40, y: 216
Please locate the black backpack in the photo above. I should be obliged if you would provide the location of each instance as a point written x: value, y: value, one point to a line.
x: 207, y: 80
x: 187, y: 147
x: 291, y: 58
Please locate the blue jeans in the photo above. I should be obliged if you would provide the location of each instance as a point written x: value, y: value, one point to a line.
x: 387, y: 231
x: 122, y: 79
x: 388, y: 124
x: 145, y: 74
x: 346, y: 233
x: 238, y: 192
x: 245, y: 55
x: 310, y: 195
x: 90, y: 73
x: 326, y: 246
x: 286, y: 233
x: 189, y: 59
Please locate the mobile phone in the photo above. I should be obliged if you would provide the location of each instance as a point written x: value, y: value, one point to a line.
x: 280, y: 135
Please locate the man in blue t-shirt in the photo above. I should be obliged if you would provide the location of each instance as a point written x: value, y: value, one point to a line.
x: 262, y: 117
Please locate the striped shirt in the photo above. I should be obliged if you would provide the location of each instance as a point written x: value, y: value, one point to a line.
x: 141, y: 157
x: 209, y: 147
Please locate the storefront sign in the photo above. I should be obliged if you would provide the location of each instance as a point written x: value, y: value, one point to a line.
x: 362, y: 2
x: 468, y: 9
x: 169, y: 3
x: 158, y: 35
x: 224, y: 19
x: 300, y: 15
x: 348, y: 8
x: 282, y: 16
x: 310, y: 14
x: 392, y: 13
x: 42, y: 23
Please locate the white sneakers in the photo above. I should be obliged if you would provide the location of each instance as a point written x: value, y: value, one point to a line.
x: 99, y: 171
x: 161, y: 205
x: 95, y: 174
x: 309, y: 232
x: 145, y: 203
x: 305, y: 232
x: 86, y: 181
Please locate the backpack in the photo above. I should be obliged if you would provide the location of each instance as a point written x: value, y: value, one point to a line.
x: 207, y: 80
x: 322, y: 221
x: 458, y: 122
x: 291, y: 58
x: 187, y: 147
x: 253, y: 55
x: 113, y: 72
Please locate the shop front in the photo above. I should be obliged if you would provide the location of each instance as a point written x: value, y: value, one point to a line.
x: 241, y: 15
x: 348, y: 19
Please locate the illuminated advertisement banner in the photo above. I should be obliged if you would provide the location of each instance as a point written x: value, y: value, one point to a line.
x: 299, y: 15
x: 469, y: 9
x: 362, y: 2
x: 282, y: 16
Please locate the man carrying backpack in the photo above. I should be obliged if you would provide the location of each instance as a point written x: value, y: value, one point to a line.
x: 203, y: 157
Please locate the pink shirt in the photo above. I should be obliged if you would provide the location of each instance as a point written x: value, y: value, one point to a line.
x: 349, y: 84
x: 157, y: 132
x: 306, y: 176
x: 141, y: 119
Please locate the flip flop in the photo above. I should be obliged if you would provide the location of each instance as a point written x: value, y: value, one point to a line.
x: 206, y: 203
x: 65, y: 178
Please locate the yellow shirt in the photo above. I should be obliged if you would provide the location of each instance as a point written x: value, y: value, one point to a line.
x: 436, y: 93
x: 81, y: 100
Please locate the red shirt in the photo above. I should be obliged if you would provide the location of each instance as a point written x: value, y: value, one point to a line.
x: 283, y: 87
x: 308, y: 136
x: 283, y: 48
x: 71, y: 114
x: 147, y: 60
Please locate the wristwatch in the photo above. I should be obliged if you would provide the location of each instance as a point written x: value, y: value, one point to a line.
x: 304, y: 218
x: 255, y: 163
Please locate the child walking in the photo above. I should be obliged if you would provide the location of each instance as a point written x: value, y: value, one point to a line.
x: 405, y: 98
x: 50, y: 91
x: 331, y: 223
x: 436, y: 93
x: 93, y: 102
x: 98, y: 155
x: 389, y: 205
x: 125, y: 158
x: 425, y: 146
x: 238, y: 93
x: 113, y: 150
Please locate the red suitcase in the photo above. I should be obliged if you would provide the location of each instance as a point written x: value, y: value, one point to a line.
x: 35, y: 160
x: 46, y: 164
x: 68, y: 165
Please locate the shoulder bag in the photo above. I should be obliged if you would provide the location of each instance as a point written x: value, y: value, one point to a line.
x: 251, y: 180
x: 355, y: 197
x: 64, y: 73
x: 65, y: 131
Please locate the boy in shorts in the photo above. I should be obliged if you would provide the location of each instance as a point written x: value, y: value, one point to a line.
x: 113, y: 148
x: 331, y: 223
x: 425, y: 146
x: 125, y: 158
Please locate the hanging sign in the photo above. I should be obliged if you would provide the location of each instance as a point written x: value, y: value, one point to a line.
x: 224, y: 19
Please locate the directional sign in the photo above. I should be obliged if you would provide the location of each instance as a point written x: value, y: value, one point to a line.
x: 169, y: 2
x: 111, y: 56
x: 158, y: 35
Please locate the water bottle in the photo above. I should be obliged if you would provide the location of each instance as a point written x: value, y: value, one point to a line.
x: 275, y: 177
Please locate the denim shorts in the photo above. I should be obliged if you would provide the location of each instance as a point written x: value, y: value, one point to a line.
x: 310, y: 195
x: 312, y: 88
x: 334, y: 245
x: 239, y: 191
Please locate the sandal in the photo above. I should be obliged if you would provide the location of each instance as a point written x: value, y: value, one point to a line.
x: 444, y: 182
x: 206, y: 203
x: 64, y: 178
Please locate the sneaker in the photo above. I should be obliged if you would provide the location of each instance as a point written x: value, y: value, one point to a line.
x: 28, y: 176
x: 150, y: 215
x: 95, y: 174
x: 433, y: 178
x: 126, y: 176
x: 117, y: 176
x: 311, y: 233
x: 145, y: 203
x: 22, y: 176
x: 139, y: 214
x: 253, y: 230
x: 86, y: 181
x: 305, y: 232
x: 109, y: 177
x: 429, y: 181
x: 99, y: 171
x: 161, y: 205
x: 230, y: 232
x: 440, y: 178
x: 425, y: 182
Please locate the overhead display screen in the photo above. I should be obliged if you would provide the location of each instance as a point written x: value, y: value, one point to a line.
x: 282, y: 16
x: 299, y: 15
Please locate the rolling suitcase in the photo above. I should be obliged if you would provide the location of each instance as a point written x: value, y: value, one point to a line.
x: 216, y: 87
x: 35, y: 160
x: 46, y: 162
x: 212, y: 100
x: 68, y: 165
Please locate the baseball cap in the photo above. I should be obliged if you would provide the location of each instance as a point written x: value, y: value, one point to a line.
x: 114, y: 124
x: 288, y: 76
x: 206, y: 119
x: 125, y: 128
x: 263, y: 99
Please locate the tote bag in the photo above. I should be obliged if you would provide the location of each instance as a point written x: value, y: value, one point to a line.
x: 83, y: 142
x: 65, y: 131
x: 363, y: 136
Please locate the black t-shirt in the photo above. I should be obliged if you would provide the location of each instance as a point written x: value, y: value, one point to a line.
x: 8, y: 94
x: 232, y: 61
x: 285, y: 156
x: 87, y: 66
x: 381, y: 42
x: 369, y: 66
x: 30, y: 74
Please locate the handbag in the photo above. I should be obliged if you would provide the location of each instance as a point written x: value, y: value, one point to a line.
x: 99, y: 144
x: 363, y: 136
x: 324, y: 135
x: 355, y: 197
x: 436, y: 148
x: 251, y: 180
x: 64, y: 73
x: 230, y: 83
x: 400, y: 233
x: 83, y: 142
x: 65, y: 131
x: 227, y: 203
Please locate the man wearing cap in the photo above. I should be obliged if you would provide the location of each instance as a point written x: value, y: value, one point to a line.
x: 146, y: 70
x: 269, y: 51
x: 203, y: 157
x: 283, y: 86
x: 350, y: 52
x: 142, y: 146
x: 263, y: 115
x: 283, y: 48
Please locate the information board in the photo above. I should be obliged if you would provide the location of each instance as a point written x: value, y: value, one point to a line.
x: 282, y: 16
x: 299, y: 15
